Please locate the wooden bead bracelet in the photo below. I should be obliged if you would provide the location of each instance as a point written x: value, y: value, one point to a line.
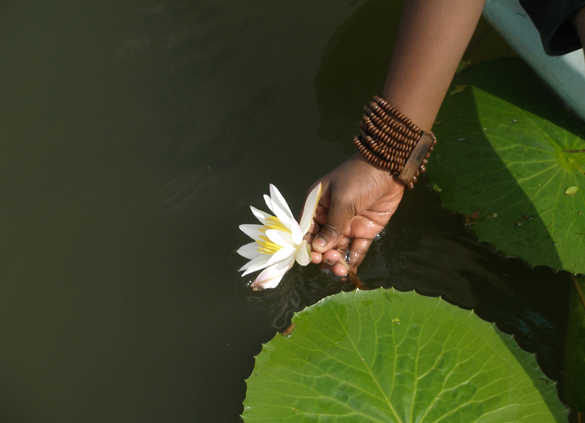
x: 390, y: 140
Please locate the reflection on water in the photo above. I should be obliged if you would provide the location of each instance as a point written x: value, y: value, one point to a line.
x: 134, y: 136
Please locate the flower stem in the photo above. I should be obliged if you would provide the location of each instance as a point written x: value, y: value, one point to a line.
x: 351, y: 274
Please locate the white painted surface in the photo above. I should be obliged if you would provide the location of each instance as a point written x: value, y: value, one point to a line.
x: 564, y: 74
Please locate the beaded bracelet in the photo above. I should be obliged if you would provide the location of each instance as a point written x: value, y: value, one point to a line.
x: 390, y: 140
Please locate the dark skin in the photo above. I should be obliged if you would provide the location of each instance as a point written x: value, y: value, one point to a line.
x: 354, y: 208
x: 358, y: 198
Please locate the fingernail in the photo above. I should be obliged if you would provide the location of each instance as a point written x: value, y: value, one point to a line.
x: 330, y: 262
x: 319, y: 242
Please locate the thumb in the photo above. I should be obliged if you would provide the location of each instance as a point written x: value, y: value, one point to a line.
x: 338, y: 220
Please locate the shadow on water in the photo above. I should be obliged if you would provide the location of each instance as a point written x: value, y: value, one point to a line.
x: 353, y: 67
x: 426, y: 247
x: 355, y: 62
x: 486, y: 185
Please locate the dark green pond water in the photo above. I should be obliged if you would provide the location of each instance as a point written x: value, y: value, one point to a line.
x: 134, y: 136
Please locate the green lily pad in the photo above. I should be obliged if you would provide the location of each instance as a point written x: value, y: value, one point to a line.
x: 389, y: 356
x: 574, y: 376
x: 507, y: 146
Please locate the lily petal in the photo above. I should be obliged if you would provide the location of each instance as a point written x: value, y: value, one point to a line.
x: 303, y: 254
x: 277, y: 198
x: 253, y: 231
x: 271, y: 276
x: 309, y: 208
x: 249, y: 251
x: 282, y: 254
x: 257, y: 263
x: 280, y: 214
x: 260, y: 215
x: 268, y: 202
x: 297, y: 234
x: 281, y: 238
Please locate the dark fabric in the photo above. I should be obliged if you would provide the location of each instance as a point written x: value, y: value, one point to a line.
x: 552, y: 18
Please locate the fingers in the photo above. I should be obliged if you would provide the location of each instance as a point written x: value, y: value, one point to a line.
x: 331, y: 257
x: 357, y: 253
x: 330, y: 235
x: 359, y: 248
x: 339, y: 270
x: 327, y: 238
x: 331, y: 261
x: 316, y: 258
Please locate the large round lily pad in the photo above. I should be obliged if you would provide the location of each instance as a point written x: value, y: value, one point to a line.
x: 511, y: 157
x: 388, y: 356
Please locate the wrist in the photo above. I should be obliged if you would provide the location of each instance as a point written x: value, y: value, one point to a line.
x: 381, y: 176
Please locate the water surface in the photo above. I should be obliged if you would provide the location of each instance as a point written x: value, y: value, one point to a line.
x: 134, y: 136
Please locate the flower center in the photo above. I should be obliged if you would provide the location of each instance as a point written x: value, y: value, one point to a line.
x: 265, y: 246
x: 276, y: 224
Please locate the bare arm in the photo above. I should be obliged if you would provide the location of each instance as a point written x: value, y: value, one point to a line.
x: 432, y: 37
x: 358, y: 198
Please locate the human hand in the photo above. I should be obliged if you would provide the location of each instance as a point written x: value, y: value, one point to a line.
x: 357, y: 202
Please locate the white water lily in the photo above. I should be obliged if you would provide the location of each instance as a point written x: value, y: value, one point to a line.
x: 278, y: 241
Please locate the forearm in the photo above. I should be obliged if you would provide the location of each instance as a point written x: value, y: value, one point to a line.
x: 431, y: 40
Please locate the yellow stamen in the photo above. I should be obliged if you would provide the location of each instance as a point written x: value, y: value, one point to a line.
x: 265, y: 246
x: 276, y: 224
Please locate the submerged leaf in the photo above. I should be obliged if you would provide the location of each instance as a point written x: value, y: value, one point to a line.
x: 457, y: 90
x: 464, y: 64
x: 389, y: 356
